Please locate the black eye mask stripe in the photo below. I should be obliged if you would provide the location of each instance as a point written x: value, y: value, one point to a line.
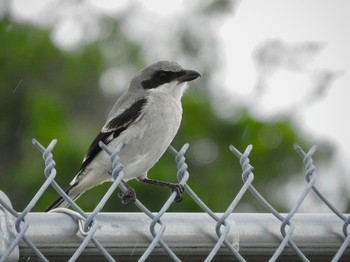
x: 161, y: 77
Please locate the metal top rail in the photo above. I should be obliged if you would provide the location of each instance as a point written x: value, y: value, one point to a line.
x: 191, y: 235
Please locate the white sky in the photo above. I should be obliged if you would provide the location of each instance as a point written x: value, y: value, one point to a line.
x: 295, y: 21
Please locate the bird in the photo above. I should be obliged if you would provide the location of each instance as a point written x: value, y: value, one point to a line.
x: 145, y: 120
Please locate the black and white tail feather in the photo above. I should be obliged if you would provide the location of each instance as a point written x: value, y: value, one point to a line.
x: 60, y: 202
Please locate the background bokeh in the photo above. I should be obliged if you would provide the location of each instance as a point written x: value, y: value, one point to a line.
x: 64, y: 63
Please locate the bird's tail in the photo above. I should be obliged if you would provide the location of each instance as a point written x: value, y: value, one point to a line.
x: 60, y: 202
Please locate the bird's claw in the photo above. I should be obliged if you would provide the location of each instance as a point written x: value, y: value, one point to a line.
x: 128, y: 196
x: 179, y: 190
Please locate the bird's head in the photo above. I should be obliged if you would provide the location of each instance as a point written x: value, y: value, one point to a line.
x: 164, y: 76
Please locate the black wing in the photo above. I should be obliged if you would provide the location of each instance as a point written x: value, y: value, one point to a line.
x: 113, y: 129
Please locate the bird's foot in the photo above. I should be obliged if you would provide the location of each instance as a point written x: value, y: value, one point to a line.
x: 179, y: 189
x: 128, y: 196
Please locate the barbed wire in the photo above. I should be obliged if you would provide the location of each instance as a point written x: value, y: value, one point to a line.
x: 15, y: 225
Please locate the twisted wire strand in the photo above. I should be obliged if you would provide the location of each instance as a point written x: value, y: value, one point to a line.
x: 54, y: 184
x: 156, y: 237
x: 183, y: 174
x: 301, y: 152
x: 118, y: 174
x: 165, y: 207
x: 181, y: 170
x: 308, y: 163
x: 311, y: 179
x: 50, y: 173
x: 248, y: 175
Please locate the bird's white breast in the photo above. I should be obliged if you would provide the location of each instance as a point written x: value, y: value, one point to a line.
x: 147, y: 139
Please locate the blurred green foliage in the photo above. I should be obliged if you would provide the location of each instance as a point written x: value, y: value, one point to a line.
x: 48, y: 93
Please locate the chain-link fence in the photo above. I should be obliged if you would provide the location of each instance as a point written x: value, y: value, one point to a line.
x: 64, y: 234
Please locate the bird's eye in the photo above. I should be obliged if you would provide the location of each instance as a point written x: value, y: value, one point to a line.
x: 162, y: 75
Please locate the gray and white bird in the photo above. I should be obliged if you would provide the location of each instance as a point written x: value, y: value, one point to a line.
x: 145, y: 119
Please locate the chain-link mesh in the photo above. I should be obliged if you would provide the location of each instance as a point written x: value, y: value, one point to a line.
x: 230, y: 240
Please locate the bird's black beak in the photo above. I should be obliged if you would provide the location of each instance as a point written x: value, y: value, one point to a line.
x: 188, y: 75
